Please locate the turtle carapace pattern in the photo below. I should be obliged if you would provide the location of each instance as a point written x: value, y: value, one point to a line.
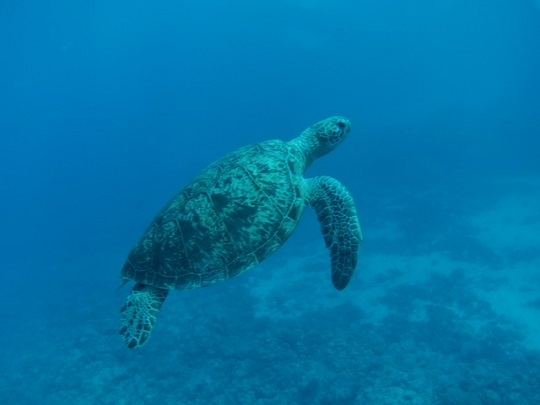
x: 235, y: 214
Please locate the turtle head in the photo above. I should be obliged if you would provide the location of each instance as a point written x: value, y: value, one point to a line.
x: 323, y: 137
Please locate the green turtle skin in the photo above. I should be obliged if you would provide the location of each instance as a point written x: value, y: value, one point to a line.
x: 233, y: 215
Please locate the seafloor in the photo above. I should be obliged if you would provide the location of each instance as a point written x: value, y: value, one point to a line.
x: 444, y: 309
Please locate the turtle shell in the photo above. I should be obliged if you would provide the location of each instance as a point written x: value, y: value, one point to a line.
x: 232, y: 216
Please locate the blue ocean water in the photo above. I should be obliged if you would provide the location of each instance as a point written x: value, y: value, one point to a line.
x: 108, y: 108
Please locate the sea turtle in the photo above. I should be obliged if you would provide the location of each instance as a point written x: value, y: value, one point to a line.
x: 235, y: 214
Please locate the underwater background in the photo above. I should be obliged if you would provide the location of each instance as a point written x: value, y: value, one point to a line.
x: 108, y: 108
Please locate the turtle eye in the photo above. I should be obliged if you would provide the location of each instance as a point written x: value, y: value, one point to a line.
x: 341, y: 125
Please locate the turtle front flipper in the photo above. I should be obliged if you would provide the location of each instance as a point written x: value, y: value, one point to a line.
x: 339, y: 223
x: 139, y: 314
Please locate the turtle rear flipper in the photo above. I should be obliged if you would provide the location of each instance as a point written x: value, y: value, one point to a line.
x: 339, y: 224
x: 139, y: 314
